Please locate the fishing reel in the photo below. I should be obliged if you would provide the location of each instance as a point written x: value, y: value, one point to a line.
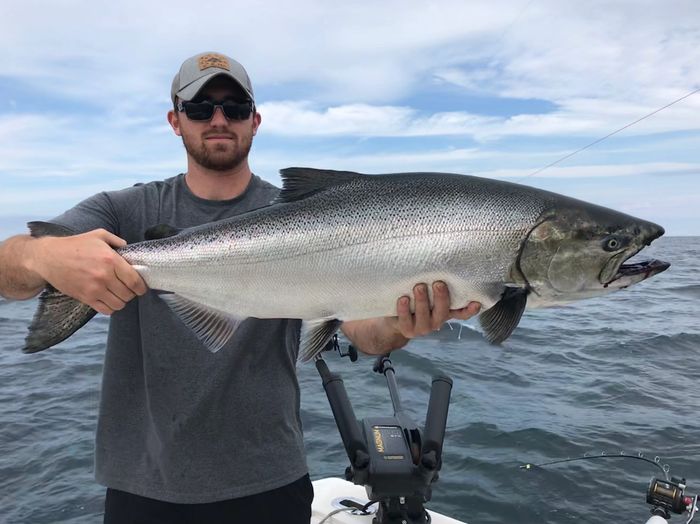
x: 668, y: 496
x: 390, y: 456
x: 334, y: 345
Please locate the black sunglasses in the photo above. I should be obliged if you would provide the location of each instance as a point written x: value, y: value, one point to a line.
x: 205, y: 110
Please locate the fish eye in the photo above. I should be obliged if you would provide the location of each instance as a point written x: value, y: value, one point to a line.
x: 612, y: 243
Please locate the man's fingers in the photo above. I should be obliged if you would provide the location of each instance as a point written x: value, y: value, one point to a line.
x: 441, y: 305
x: 101, y: 307
x: 130, y: 277
x: 112, y: 301
x: 111, y: 239
x: 423, y: 323
x: 427, y: 317
x: 467, y: 312
x: 405, y: 318
x: 120, y: 290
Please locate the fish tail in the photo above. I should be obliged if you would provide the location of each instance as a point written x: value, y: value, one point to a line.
x: 57, y: 317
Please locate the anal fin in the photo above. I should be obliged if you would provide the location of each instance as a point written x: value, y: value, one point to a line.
x: 500, y: 320
x: 212, y: 326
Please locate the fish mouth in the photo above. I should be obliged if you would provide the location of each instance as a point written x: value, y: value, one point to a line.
x: 623, y: 273
x: 631, y: 273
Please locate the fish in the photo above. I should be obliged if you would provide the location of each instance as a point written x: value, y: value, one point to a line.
x: 339, y: 246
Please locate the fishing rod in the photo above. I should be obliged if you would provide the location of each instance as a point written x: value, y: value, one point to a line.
x: 639, y: 456
x: 665, y: 496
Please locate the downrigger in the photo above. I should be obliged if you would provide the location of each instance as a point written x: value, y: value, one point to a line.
x: 395, y: 461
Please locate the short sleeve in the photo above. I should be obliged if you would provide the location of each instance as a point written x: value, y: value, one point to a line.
x: 92, y: 213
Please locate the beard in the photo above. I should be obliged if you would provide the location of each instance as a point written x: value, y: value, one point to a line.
x: 219, y: 157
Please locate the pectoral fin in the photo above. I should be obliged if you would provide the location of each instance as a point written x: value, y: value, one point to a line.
x: 500, y: 320
x: 315, y: 334
x: 213, y: 327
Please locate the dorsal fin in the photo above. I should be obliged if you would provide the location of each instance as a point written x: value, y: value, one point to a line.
x: 302, y: 182
x: 38, y: 229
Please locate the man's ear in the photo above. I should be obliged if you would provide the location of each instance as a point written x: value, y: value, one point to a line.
x: 257, y: 119
x: 174, y: 121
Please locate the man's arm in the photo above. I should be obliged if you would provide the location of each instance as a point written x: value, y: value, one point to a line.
x: 84, y: 266
x: 17, y: 281
x: 380, y: 335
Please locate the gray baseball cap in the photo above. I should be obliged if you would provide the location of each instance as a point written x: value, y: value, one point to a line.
x: 197, y: 70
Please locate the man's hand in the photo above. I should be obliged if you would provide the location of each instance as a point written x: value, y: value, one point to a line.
x: 381, y: 335
x: 426, y: 319
x: 87, y: 268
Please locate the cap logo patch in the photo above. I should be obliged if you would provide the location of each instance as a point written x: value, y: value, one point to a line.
x: 213, y: 60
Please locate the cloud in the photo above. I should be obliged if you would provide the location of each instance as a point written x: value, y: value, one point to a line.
x: 361, y: 51
x: 445, y: 160
x: 36, y: 146
x: 303, y: 119
x: 354, y: 66
x: 577, y: 117
x: 373, y: 86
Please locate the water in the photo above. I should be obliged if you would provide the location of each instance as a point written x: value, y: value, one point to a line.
x: 619, y: 373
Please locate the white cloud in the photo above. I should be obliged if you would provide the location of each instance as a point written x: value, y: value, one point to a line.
x: 350, y: 69
x: 302, y: 119
x: 577, y: 117
x: 357, y: 58
x: 52, y: 146
x: 450, y: 160
x: 361, y: 51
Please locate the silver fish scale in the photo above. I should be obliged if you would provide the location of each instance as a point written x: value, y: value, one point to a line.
x: 368, y: 209
x: 352, y: 249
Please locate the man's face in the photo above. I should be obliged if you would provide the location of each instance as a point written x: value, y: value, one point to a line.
x: 219, y: 144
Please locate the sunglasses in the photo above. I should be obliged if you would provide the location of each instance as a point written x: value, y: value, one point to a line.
x: 205, y: 110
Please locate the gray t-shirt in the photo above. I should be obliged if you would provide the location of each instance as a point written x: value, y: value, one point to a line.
x: 178, y: 423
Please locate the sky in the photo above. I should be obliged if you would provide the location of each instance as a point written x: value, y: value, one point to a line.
x: 497, y: 88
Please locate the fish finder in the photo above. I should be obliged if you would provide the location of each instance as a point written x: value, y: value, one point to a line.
x: 390, y: 456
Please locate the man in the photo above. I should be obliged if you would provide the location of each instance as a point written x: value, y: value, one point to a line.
x: 185, y: 435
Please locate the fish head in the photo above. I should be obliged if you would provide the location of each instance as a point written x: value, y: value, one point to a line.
x: 578, y: 250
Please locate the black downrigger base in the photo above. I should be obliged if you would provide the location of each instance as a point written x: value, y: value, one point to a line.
x: 390, y: 456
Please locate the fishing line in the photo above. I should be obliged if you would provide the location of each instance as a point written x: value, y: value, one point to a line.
x: 491, y: 57
x: 611, y: 134
x: 656, y: 462
x: 513, y: 22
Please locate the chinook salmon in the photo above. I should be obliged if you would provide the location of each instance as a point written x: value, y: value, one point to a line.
x: 343, y: 246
